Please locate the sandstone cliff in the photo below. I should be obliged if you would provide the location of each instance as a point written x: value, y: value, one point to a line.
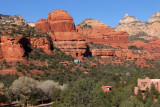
x: 60, y: 26
x: 15, y: 42
x: 57, y: 21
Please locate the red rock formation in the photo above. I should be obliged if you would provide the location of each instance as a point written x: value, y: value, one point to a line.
x: 57, y: 21
x: 100, y: 33
x: 103, y: 52
x: 70, y: 43
x: 68, y: 36
x: 42, y: 43
x: 64, y: 35
x: 153, y: 46
x: 43, y: 25
x: 10, y: 48
x: 60, y: 21
x: 13, y: 48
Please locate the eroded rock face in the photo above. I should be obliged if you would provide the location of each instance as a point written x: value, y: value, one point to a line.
x: 100, y: 33
x: 10, y: 48
x: 103, y: 52
x: 16, y: 48
x: 134, y: 27
x: 57, y: 21
x: 128, y: 19
x: 70, y: 42
x: 43, y: 25
x: 155, y: 18
x: 60, y: 21
x: 61, y: 28
x: 15, y: 19
x: 153, y: 46
x: 42, y: 43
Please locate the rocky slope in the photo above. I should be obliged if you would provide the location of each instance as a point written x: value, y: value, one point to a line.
x: 133, y: 27
x: 15, y: 19
x: 98, y: 32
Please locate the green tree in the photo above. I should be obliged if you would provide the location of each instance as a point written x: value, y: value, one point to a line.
x: 56, y: 94
x: 117, y: 99
x: 155, y: 104
x: 148, y: 96
x: 149, y: 102
x: 127, y: 103
x: 99, y: 97
x: 136, y: 102
x: 81, y: 94
x: 139, y: 96
x: 154, y: 92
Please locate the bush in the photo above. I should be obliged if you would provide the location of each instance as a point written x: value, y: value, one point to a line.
x: 134, y: 48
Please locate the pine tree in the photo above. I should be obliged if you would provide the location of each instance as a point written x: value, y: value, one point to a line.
x: 154, y: 92
x: 148, y: 95
x: 139, y: 96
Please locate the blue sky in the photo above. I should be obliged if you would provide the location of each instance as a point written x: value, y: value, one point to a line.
x: 108, y: 11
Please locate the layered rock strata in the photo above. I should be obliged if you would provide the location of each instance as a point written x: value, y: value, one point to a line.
x: 100, y: 33
x: 61, y: 28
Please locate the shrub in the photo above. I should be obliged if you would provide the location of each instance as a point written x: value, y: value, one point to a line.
x: 134, y: 48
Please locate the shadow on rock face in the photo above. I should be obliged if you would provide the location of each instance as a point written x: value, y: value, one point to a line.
x: 26, y: 46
